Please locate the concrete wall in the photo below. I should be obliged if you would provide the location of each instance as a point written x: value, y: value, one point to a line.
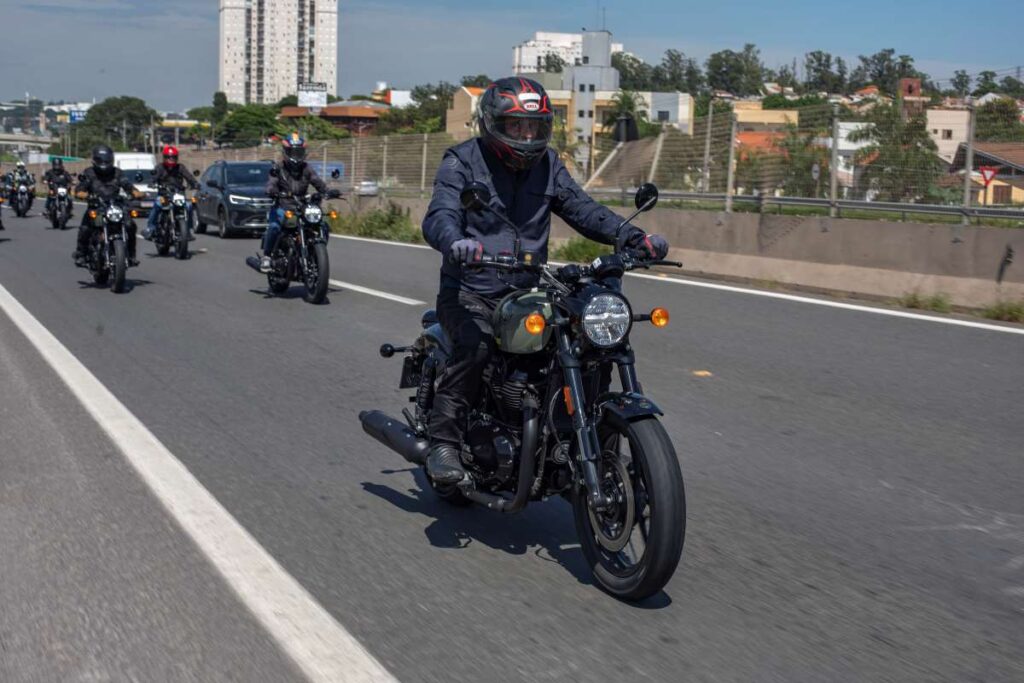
x: 874, y: 258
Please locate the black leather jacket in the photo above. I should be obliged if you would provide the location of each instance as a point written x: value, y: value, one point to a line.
x: 295, y: 185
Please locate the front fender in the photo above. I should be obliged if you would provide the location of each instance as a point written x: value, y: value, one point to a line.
x: 619, y: 409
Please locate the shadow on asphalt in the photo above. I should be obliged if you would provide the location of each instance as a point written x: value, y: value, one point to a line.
x: 296, y: 292
x: 129, y: 284
x: 4, y: 239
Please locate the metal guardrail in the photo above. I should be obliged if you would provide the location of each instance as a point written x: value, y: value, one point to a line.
x: 887, y: 207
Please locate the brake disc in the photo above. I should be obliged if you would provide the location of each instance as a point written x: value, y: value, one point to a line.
x: 613, y: 527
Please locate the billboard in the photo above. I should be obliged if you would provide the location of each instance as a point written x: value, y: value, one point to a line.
x: 313, y: 95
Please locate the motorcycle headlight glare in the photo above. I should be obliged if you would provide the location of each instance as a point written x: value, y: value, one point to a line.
x: 115, y: 214
x: 179, y: 200
x: 606, y: 320
x: 313, y: 214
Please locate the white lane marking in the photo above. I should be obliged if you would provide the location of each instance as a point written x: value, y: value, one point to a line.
x: 319, y: 645
x: 832, y: 304
x: 773, y: 295
x: 376, y: 292
x: 370, y: 239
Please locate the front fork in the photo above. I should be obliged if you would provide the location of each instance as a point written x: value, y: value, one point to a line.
x: 584, y: 425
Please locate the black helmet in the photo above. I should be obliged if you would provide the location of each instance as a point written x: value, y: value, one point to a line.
x: 57, y: 164
x: 294, y: 153
x: 103, y: 161
x: 515, y: 121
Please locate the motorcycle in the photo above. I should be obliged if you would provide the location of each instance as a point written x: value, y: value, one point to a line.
x: 174, y: 226
x: 107, y: 254
x: 300, y: 254
x: 547, y: 422
x: 60, y: 208
x: 22, y: 200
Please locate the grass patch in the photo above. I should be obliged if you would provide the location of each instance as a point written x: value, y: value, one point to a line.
x: 936, y: 302
x: 580, y: 250
x: 391, y: 224
x: 1006, y: 311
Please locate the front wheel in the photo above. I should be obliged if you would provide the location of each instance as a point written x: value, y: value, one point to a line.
x: 181, y: 245
x: 633, y: 547
x: 318, y: 272
x: 120, y: 267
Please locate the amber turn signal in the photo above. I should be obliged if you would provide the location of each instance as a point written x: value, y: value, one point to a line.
x: 659, y: 317
x: 333, y: 214
x: 289, y: 215
x: 93, y: 214
x: 534, y: 323
x: 135, y: 214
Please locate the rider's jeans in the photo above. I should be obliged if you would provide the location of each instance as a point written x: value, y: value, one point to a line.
x: 274, y: 219
x: 154, y: 214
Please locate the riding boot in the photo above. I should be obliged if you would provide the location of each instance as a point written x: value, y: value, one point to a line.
x: 444, y: 465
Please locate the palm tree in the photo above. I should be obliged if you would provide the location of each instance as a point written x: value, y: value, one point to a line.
x: 628, y: 103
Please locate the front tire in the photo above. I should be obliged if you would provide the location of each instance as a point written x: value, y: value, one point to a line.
x: 635, y: 563
x: 181, y: 246
x: 223, y: 231
x: 120, y: 267
x: 318, y: 274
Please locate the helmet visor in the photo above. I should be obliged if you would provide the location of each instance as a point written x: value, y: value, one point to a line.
x: 523, y: 129
x: 295, y: 153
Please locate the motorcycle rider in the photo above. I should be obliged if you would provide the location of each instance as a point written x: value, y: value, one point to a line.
x: 174, y: 176
x: 104, y: 180
x: 56, y: 177
x: 287, y: 188
x: 528, y: 182
x: 3, y: 198
x: 21, y: 176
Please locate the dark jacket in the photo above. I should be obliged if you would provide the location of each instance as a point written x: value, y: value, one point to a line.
x: 295, y: 185
x: 528, y: 198
x: 104, y: 188
x: 59, y: 178
x: 177, y: 178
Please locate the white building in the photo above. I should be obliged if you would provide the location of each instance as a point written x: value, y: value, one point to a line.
x: 269, y: 47
x: 948, y: 128
x: 528, y: 57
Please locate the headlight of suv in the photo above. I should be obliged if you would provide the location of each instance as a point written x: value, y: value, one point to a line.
x: 313, y: 214
x: 115, y: 214
x: 606, y: 320
x: 239, y: 199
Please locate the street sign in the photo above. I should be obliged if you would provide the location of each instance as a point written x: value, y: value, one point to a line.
x: 988, y: 174
x: 816, y: 171
x: 77, y: 115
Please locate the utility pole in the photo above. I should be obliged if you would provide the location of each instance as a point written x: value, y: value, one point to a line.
x: 968, y: 163
x: 833, y: 196
x: 730, y: 189
x: 706, y: 180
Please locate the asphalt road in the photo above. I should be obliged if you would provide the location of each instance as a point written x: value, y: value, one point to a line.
x: 853, y: 480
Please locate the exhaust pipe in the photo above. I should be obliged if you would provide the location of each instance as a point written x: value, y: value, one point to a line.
x: 396, y: 435
x: 253, y: 263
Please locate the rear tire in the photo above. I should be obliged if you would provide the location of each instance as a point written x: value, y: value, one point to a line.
x: 120, y: 267
x: 318, y: 275
x: 656, y: 516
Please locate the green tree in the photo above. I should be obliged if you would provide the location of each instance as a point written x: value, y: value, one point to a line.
x: 885, y: 70
x: 288, y: 101
x: 801, y: 150
x: 315, y: 128
x: 478, y: 81
x: 824, y: 73
x: 1011, y: 87
x: 120, y: 122
x: 901, y: 161
x: 961, y: 83
x: 250, y: 125
x: 677, y: 72
x: 999, y: 121
x: 986, y: 84
x: 564, y: 141
x: 553, y: 64
x: 221, y: 108
x: 739, y: 73
x: 634, y: 73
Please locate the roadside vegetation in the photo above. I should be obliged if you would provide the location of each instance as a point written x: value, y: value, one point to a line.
x: 392, y: 223
x: 1006, y: 311
x: 934, y: 302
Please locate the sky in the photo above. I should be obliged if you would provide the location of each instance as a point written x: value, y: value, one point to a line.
x: 165, y: 51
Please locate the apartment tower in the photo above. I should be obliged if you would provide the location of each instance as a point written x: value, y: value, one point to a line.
x: 269, y: 47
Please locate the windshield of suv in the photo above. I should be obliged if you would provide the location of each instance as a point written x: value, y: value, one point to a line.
x: 248, y: 174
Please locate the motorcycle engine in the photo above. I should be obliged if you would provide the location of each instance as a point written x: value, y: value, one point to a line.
x: 492, y: 450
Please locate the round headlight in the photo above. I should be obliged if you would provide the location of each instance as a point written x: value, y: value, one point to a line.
x: 115, y: 214
x: 606, y: 319
x: 179, y: 200
x: 314, y: 214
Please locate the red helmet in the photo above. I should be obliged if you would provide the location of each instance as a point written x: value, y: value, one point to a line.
x: 170, y: 156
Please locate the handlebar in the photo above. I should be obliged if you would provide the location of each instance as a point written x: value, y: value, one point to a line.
x: 608, y: 265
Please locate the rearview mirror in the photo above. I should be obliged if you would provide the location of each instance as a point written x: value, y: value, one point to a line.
x: 646, y: 197
x: 195, y: 172
x: 335, y: 174
x: 152, y: 172
x: 475, y: 196
x: 138, y: 176
x: 273, y: 172
x: 213, y: 183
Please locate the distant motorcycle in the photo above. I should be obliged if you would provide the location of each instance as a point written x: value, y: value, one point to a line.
x: 107, y: 255
x: 22, y: 200
x: 547, y: 422
x: 60, y: 209
x: 173, y: 227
